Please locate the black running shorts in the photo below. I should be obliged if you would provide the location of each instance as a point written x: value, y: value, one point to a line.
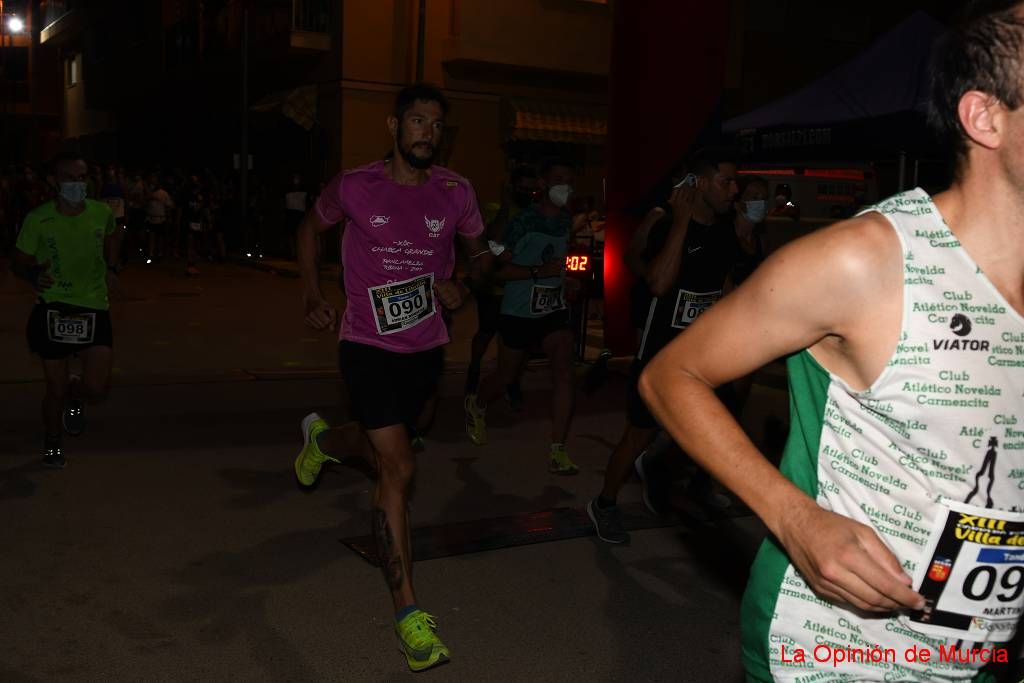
x: 387, y: 388
x: 57, y: 330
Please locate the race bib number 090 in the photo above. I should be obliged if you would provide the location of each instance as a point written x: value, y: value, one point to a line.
x: 70, y: 329
x: 401, y: 305
x: 689, y: 305
x: 973, y: 577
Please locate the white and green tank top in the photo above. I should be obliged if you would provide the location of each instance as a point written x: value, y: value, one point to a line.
x: 932, y: 457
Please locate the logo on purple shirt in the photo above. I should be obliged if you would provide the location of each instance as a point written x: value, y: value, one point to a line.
x: 434, y: 225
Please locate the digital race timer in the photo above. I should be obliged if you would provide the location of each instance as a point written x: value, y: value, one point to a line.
x: 577, y: 263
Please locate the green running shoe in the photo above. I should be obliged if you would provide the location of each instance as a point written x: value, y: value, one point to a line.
x: 476, y: 421
x: 311, y: 459
x: 560, y: 462
x: 420, y: 645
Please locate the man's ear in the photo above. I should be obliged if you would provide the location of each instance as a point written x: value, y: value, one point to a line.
x: 981, y: 116
x: 392, y: 123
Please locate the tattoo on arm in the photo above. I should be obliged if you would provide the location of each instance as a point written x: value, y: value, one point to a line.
x: 390, y: 561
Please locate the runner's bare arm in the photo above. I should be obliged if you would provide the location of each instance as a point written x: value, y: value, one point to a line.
x: 27, y: 268
x: 823, y: 292
x: 664, y: 267
x: 481, y: 260
x: 319, y: 314
x: 452, y: 293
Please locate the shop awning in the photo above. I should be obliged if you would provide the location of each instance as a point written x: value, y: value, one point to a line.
x: 581, y: 124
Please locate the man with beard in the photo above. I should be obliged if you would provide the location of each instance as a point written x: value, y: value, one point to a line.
x: 903, y: 331
x: 403, y: 215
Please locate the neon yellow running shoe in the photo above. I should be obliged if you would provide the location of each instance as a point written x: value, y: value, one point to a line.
x: 420, y: 645
x: 476, y: 421
x: 560, y: 462
x: 311, y: 459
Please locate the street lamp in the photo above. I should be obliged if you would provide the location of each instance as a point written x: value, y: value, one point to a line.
x: 13, y: 25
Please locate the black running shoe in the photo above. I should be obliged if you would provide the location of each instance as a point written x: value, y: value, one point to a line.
x: 607, y: 523
x: 53, y: 457
x: 74, y: 417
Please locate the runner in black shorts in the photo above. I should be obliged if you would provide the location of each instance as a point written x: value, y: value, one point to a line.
x: 534, y: 311
x: 403, y: 217
x: 689, y: 254
x: 62, y: 251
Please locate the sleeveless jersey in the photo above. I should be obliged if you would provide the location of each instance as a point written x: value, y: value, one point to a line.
x: 930, y: 457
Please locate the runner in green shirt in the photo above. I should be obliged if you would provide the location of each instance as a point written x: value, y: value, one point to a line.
x: 62, y: 251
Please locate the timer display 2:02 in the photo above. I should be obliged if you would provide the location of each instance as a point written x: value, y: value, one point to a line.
x: 577, y: 264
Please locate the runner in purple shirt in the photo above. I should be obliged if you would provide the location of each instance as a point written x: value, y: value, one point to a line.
x: 402, y: 216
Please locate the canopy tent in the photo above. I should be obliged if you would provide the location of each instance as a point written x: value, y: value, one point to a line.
x: 871, y: 105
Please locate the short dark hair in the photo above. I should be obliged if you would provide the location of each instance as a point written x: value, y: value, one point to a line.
x: 983, y: 52
x: 410, y: 94
x: 706, y: 161
x: 65, y: 156
x: 552, y: 162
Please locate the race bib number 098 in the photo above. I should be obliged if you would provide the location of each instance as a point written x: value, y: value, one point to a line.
x: 401, y: 305
x: 973, y: 577
x: 689, y: 305
x: 70, y: 329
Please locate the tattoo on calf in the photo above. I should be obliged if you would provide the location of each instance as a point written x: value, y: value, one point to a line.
x: 390, y: 561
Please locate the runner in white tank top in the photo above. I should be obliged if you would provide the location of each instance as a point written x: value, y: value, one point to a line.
x: 896, y: 520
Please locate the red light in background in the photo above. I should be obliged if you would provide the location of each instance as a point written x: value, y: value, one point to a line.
x: 767, y: 171
x: 837, y: 173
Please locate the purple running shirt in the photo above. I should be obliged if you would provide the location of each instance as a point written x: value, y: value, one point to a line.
x: 398, y: 241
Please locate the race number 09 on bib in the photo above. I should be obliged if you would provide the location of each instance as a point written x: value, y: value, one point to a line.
x: 401, y: 305
x: 972, y: 578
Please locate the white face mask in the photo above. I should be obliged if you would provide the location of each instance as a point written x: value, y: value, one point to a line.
x: 559, y: 194
x: 73, y: 192
x: 757, y: 209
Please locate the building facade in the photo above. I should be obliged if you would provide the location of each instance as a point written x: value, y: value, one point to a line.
x: 162, y: 82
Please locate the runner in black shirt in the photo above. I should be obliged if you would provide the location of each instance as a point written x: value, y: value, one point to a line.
x: 690, y: 254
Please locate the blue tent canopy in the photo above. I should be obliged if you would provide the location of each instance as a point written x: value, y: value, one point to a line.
x: 876, y: 99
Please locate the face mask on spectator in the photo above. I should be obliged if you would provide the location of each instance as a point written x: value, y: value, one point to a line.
x: 73, y: 192
x: 757, y: 209
x: 559, y: 194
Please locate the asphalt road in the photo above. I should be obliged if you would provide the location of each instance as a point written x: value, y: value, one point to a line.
x: 177, y: 546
